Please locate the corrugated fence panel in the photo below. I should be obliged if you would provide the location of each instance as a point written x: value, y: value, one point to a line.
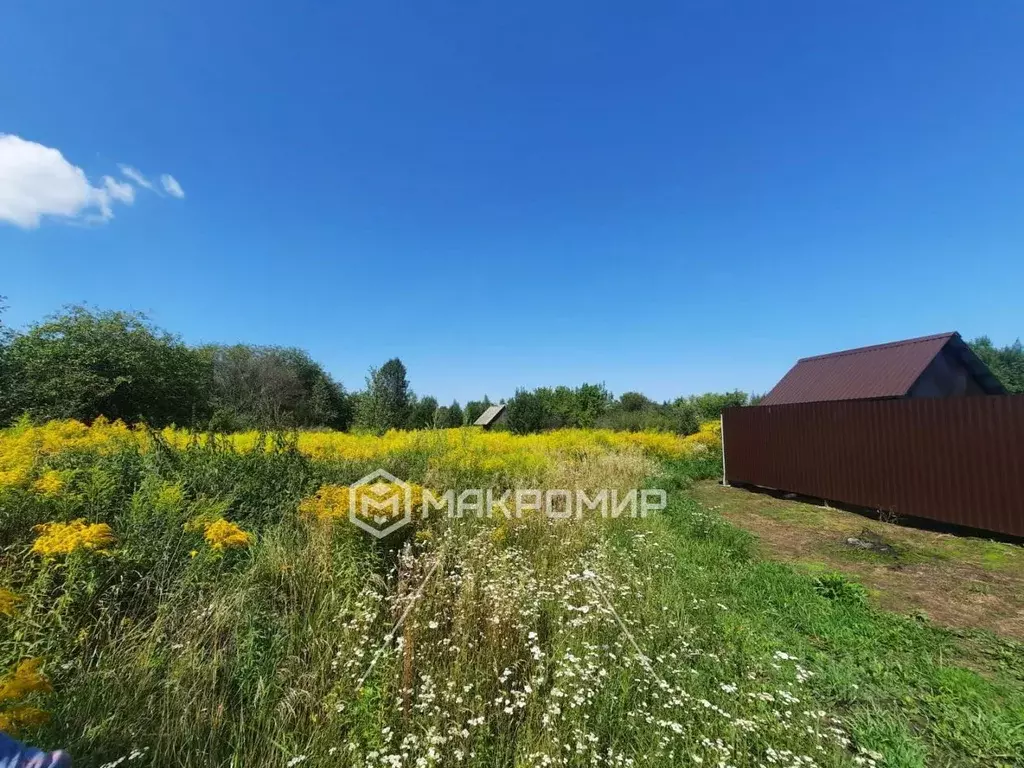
x: 956, y: 460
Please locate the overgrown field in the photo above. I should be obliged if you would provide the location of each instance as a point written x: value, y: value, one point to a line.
x: 177, y: 599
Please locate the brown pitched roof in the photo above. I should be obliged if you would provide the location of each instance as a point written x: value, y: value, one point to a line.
x: 883, y: 370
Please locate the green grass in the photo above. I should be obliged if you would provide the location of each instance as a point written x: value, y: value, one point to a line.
x: 919, y: 694
x: 521, y: 649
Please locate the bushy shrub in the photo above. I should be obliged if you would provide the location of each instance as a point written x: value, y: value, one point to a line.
x: 82, y: 363
x: 272, y: 388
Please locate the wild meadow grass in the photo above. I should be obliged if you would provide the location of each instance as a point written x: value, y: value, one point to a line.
x: 175, y: 605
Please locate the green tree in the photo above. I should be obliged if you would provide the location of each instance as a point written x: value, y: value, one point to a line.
x: 5, y: 384
x: 635, y: 401
x: 455, y: 416
x: 710, y: 405
x: 84, y: 363
x: 256, y: 387
x: 1007, y: 363
x: 388, y: 399
x: 527, y: 412
x: 422, y: 413
x: 590, y: 401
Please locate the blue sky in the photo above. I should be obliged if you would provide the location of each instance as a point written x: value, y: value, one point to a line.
x: 671, y: 197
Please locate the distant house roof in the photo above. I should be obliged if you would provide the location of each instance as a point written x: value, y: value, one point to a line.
x: 489, y: 416
x: 880, y: 371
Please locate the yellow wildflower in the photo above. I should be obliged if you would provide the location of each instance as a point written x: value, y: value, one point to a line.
x: 334, y: 501
x: 65, y: 538
x: 456, y: 453
x: 49, y: 484
x: 329, y: 502
x: 221, y: 535
x: 25, y: 679
x: 8, y: 603
x: 708, y: 437
x: 18, y: 718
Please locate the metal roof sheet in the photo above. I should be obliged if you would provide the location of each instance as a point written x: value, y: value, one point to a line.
x: 489, y: 416
x: 882, y: 370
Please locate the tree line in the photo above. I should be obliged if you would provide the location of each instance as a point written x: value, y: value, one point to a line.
x: 83, y: 363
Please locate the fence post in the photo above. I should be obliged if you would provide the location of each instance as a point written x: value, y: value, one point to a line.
x: 721, y: 424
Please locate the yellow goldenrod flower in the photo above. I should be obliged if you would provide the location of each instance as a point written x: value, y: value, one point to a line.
x: 24, y: 680
x: 333, y: 501
x: 16, y: 685
x: 709, y: 436
x: 456, y: 453
x: 8, y: 602
x: 49, y: 484
x: 18, y: 718
x: 221, y: 535
x: 64, y: 538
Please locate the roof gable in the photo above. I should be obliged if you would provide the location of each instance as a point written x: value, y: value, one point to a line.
x: 882, y: 370
x: 489, y: 416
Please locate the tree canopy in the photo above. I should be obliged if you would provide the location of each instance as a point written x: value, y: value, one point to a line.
x: 387, y: 402
x: 1007, y: 363
x: 273, y: 387
x: 83, y: 363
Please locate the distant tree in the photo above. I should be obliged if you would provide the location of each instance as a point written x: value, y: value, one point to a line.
x: 1007, y: 363
x: 634, y: 401
x: 83, y: 363
x: 6, y: 385
x: 756, y: 399
x: 527, y: 412
x: 680, y: 417
x: 710, y: 405
x: 683, y: 417
x: 589, y: 402
x: 388, y: 398
x: 455, y: 416
x: 329, y: 405
x: 546, y: 408
x: 475, y: 409
x: 273, y: 387
x: 422, y: 413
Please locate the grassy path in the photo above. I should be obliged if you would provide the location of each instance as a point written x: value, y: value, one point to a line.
x: 917, y: 693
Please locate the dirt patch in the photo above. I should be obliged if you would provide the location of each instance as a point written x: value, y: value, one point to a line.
x: 956, y: 581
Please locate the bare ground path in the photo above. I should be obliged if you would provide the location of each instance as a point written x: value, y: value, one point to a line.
x: 956, y: 581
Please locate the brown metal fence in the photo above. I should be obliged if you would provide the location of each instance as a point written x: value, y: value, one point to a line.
x: 956, y: 460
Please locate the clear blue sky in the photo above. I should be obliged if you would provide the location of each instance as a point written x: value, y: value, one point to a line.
x: 671, y: 197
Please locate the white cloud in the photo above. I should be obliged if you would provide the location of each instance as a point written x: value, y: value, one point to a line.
x: 37, y: 181
x: 121, y: 191
x: 171, y: 186
x: 135, y: 175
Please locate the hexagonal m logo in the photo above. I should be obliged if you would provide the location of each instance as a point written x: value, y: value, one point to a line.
x: 380, y: 503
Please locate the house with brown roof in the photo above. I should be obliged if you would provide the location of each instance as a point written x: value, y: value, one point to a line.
x: 929, y: 366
